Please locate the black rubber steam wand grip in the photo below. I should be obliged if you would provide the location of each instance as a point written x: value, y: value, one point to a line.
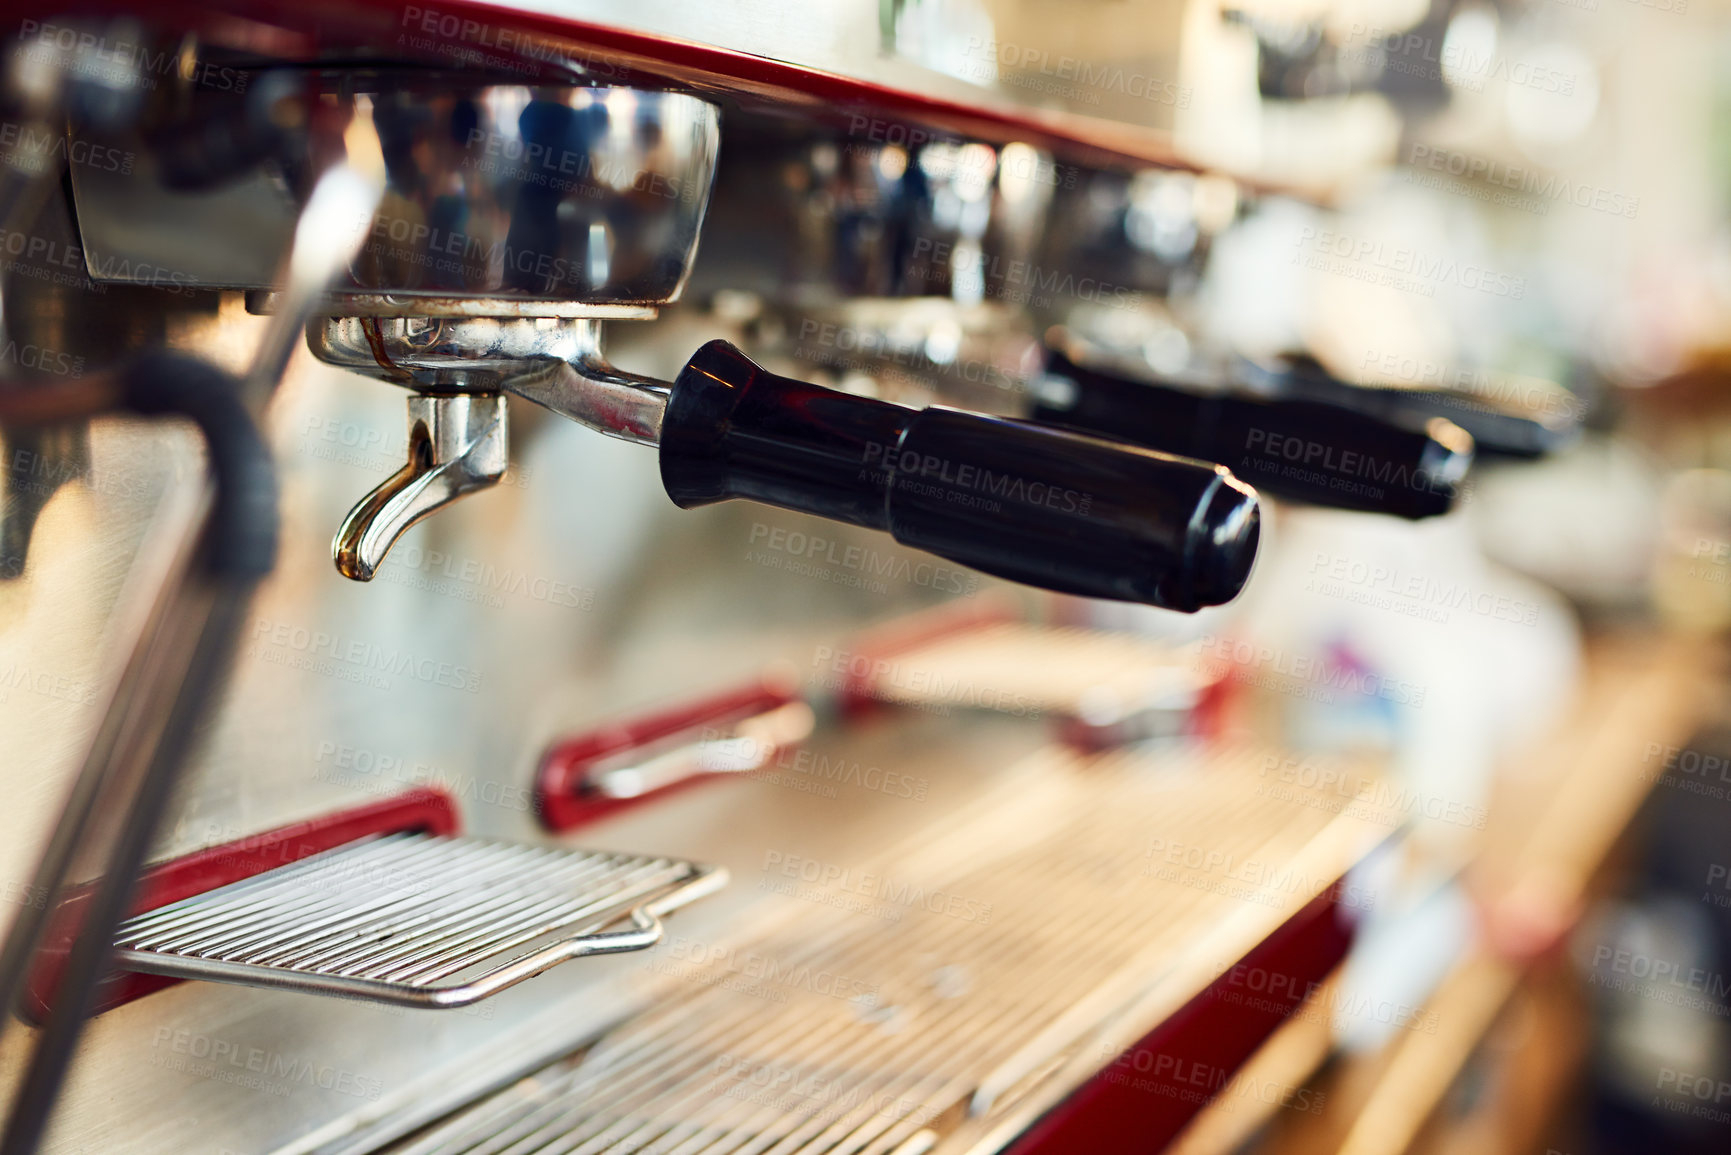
x: 1306, y: 451
x: 1049, y: 508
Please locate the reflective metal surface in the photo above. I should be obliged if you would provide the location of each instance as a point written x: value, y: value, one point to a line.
x: 559, y: 194
x: 925, y: 216
x: 457, y: 445
x: 457, y: 440
x: 415, y: 920
x: 554, y: 362
x: 924, y: 1000
x: 748, y: 745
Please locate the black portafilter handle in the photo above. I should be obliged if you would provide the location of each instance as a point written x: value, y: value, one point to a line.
x: 1510, y: 418
x: 1305, y: 451
x: 1036, y: 505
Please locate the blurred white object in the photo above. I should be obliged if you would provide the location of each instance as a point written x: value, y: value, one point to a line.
x: 1402, y: 634
x: 1585, y: 522
x: 1406, y: 945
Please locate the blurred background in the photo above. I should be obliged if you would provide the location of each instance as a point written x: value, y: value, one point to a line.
x: 1569, y: 155
x: 1522, y: 203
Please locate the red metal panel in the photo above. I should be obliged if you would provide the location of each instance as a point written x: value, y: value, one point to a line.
x: 560, y: 797
x: 1143, y: 1099
x: 534, y: 45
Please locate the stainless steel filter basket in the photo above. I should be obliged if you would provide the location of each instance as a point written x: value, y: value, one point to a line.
x: 563, y: 200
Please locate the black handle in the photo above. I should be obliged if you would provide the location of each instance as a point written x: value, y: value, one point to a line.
x: 1303, y: 450
x: 1510, y: 417
x: 1037, y: 505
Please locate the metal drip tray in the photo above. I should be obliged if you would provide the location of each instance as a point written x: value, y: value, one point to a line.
x: 415, y: 920
x: 945, y: 996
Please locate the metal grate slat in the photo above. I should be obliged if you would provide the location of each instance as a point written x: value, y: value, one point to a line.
x: 414, y: 919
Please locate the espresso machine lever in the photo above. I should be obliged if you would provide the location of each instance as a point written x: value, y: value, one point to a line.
x: 516, y: 219
x: 1303, y: 449
x: 1049, y: 508
x: 1046, y: 507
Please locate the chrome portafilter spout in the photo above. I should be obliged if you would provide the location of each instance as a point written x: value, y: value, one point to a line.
x: 461, y: 369
x: 456, y: 446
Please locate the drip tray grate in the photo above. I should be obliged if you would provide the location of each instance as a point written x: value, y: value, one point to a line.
x: 986, y: 975
x: 415, y: 919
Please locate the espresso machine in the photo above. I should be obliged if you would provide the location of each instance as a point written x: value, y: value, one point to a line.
x: 698, y: 757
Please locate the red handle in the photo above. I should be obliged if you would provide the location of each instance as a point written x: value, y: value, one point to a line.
x: 564, y: 792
